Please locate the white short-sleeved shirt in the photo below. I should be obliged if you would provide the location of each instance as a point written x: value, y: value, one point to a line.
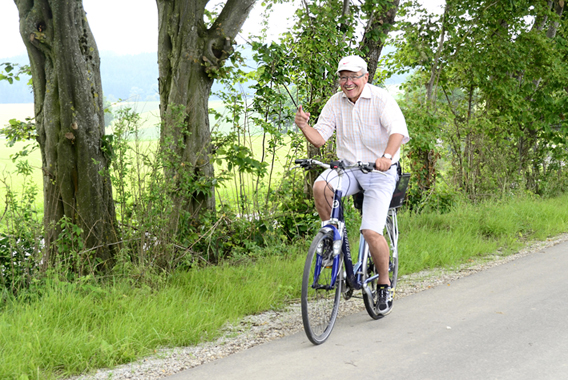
x: 363, y: 128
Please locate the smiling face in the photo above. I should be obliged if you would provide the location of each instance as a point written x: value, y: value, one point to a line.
x: 350, y: 86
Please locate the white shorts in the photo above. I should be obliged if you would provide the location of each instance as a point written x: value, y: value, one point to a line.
x: 378, y: 193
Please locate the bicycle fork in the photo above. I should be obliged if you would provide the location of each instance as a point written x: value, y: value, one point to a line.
x: 335, y: 264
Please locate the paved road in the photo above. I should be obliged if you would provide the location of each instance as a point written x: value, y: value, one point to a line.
x: 508, y: 322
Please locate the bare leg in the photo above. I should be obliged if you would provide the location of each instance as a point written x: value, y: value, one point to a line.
x: 323, y: 197
x: 380, y: 252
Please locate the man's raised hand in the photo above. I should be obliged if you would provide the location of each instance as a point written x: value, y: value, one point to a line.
x: 301, y: 118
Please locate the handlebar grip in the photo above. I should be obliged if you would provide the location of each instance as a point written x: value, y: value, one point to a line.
x: 299, y: 160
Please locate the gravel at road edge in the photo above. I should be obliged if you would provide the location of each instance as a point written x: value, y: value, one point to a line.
x: 258, y: 329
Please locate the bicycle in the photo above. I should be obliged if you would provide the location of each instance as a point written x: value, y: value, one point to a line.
x: 324, y: 279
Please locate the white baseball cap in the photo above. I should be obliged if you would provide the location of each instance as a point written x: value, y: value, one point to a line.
x: 352, y: 63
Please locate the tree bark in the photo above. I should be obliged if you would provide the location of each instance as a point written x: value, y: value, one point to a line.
x: 189, y: 56
x: 69, y: 114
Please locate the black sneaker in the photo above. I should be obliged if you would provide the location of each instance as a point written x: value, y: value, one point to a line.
x: 384, y: 301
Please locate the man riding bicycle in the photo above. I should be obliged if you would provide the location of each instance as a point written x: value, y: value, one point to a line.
x: 370, y: 127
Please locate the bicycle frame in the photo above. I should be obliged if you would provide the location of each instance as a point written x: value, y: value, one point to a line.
x: 353, y: 273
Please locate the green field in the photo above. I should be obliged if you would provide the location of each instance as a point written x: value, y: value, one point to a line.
x: 242, y: 185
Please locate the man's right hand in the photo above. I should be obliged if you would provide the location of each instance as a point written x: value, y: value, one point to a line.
x: 301, y: 118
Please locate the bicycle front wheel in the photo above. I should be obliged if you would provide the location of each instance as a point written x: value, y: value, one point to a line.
x: 320, y: 299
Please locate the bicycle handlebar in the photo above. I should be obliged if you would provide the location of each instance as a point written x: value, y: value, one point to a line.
x: 365, y: 167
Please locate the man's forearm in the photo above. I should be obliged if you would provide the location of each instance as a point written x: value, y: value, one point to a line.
x: 383, y: 163
x: 313, y: 136
x: 393, y: 145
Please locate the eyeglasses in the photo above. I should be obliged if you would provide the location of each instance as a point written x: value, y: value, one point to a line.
x: 352, y: 78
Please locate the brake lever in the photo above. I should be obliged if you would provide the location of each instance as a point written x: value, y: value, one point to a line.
x: 367, y: 168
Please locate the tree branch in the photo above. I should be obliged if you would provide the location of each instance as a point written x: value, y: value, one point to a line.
x: 232, y: 18
x: 435, y: 72
x: 558, y: 8
x: 219, y: 45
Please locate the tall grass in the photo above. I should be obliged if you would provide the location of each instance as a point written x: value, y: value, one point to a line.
x: 76, y: 327
x: 61, y: 328
x: 432, y: 240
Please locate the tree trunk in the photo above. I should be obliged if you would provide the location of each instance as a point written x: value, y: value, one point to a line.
x: 380, y: 22
x: 69, y: 116
x: 190, y: 56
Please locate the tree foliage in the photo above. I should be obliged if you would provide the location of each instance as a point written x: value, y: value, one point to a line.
x: 489, y: 90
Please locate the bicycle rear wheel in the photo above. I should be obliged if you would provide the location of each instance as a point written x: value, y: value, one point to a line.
x: 320, y: 300
x: 371, y: 302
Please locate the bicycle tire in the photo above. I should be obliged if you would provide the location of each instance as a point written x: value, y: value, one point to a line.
x: 371, y: 304
x: 320, y: 301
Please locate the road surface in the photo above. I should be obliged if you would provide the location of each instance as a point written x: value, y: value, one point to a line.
x: 507, y: 322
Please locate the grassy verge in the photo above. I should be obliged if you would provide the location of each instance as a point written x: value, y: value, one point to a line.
x: 64, y: 329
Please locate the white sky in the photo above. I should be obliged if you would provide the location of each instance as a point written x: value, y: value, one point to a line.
x: 119, y: 29
x: 115, y: 25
